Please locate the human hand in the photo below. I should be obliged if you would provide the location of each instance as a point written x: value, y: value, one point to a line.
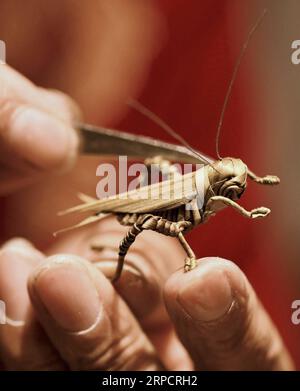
x: 74, y: 318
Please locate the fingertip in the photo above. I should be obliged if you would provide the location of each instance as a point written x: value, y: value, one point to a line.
x: 21, y: 247
x: 18, y: 242
x: 85, y: 319
x: 221, y: 322
x: 63, y: 290
x: 207, y: 292
x: 42, y: 140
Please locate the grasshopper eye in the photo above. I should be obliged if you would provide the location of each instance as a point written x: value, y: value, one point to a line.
x: 234, y: 192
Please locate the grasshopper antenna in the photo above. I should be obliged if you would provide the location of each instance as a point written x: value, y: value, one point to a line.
x: 156, y: 119
x: 233, y: 78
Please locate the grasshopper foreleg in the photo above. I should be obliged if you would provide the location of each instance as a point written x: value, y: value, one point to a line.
x: 266, y: 180
x: 252, y: 214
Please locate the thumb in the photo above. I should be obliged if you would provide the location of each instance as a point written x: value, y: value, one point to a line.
x: 221, y: 322
x: 87, y: 322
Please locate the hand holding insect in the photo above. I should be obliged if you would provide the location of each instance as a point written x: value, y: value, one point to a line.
x: 61, y: 286
x: 143, y: 336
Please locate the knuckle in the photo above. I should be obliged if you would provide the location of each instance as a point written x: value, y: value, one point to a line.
x: 19, y: 247
x: 9, y: 108
x: 18, y: 242
x: 129, y: 352
x: 23, y: 359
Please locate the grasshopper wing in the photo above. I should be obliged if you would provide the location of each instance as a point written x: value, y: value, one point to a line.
x: 163, y: 195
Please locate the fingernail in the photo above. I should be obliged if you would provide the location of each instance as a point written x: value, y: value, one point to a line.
x: 42, y: 139
x: 69, y: 295
x: 207, y: 296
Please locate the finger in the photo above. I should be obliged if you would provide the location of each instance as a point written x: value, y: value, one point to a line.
x: 220, y: 320
x: 15, y: 87
x: 23, y: 345
x: 87, y: 321
x: 148, y: 264
x: 34, y: 139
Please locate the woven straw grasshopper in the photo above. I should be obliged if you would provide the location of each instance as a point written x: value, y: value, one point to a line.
x: 223, y: 181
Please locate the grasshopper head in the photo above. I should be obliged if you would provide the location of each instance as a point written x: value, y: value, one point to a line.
x: 228, y: 177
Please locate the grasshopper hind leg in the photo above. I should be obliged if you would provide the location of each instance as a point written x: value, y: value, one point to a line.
x: 123, y: 249
x: 124, y: 246
x: 190, y: 262
x: 154, y: 223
